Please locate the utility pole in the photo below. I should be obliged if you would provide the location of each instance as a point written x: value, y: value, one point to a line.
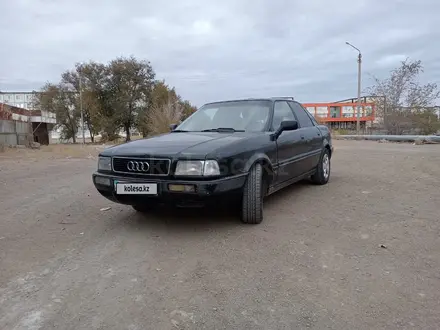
x: 385, y: 123
x: 81, y: 108
x: 358, y: 123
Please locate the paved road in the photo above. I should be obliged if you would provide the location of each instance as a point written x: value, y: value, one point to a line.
x: 316, y: 262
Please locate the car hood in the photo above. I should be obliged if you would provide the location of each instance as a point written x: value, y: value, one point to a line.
x: 183, y: 144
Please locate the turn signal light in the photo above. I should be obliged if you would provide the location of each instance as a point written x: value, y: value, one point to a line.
x: 102, y: 180
x: 182, y: 188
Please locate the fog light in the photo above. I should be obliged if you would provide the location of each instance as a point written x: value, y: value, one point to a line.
x: 102, y: 181
x: 182, y: 187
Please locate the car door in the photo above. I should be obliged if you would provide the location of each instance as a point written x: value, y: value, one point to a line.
x: 311, y: 135
x: 290, y: 146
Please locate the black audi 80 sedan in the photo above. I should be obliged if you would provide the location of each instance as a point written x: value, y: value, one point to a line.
x: 241, y: 149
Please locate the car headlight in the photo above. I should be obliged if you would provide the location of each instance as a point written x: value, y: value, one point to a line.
x: 197, y: 168
x: 104, y: 164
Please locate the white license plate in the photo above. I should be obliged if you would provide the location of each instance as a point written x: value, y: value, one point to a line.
x: 136, y: 188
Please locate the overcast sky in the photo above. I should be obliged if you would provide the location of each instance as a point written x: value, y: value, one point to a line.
x: 213, y: 50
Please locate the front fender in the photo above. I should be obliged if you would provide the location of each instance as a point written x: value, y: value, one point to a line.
x: 262, y: 159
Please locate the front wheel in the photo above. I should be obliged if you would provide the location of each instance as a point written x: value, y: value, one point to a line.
x: 253, y: 195
x: 142, y: 208
x: 322, y: 174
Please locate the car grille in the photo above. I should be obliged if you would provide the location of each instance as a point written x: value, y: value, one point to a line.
x: 141, y: 166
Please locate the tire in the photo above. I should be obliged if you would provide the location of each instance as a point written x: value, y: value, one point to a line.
x: 322, y: 174
x: 253, y: 195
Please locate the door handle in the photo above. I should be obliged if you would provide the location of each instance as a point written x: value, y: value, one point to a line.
x: 302, y: 137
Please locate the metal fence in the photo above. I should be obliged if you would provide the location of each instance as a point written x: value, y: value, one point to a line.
x: 13, y: 132
x: 396, y: 138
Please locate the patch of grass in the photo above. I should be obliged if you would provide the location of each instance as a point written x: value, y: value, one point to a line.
x: 341, y: 132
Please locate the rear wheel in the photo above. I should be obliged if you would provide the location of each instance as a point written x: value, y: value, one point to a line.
x: 253, y: 195
x: 322, y: 174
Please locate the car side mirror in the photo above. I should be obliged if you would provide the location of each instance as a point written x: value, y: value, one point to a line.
x: 289, y: 125
x: 173, y: 127
x: 286, y: 125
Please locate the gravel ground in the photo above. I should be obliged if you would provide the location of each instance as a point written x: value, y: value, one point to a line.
x: 362, y: 252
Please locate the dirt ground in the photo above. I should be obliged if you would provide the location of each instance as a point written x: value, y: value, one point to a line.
x: 362, y: 252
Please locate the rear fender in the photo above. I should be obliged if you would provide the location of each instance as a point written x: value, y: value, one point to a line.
x: 326, y: 138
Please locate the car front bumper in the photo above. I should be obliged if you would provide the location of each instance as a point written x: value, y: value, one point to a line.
x: 204, y: 190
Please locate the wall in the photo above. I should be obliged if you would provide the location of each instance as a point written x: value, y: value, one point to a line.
x: 13, y: 132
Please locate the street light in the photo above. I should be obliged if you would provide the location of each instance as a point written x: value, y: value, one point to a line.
x: 358, y: 124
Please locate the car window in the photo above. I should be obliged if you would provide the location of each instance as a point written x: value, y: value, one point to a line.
x: 281, y: 112
x: 301, y: 115
x: 211, y: 112
x: 312, y: 117
x: 247, y: 115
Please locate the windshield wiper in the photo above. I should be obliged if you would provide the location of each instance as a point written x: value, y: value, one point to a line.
x: 179, y: 131
x: 222, y: 129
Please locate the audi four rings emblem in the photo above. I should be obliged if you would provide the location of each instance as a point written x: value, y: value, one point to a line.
x: 138, y: 166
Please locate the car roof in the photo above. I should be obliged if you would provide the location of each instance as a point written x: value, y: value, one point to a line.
x: 275, y: 98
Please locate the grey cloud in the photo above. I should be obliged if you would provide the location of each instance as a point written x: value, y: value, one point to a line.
x: 211, y: 50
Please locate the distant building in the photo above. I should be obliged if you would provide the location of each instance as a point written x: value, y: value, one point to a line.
x: 374, y: 99
x: 18, y: 126
x: 343, y: 115
x: 23, y: 100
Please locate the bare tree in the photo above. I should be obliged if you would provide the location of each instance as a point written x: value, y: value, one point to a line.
x: 160, y: 117
x: 400, y: 98
x: 164, y: 97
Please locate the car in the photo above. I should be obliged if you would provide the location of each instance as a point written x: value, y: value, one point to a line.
x: 242, y: 150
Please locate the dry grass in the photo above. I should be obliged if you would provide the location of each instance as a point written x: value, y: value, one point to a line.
x: 53, y: 151
x: 58, y: 151
x: 122, y: 140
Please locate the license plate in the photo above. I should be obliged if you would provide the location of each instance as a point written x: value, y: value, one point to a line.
x: 136, y: 188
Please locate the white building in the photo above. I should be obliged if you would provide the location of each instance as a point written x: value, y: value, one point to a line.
x: 23, y: 100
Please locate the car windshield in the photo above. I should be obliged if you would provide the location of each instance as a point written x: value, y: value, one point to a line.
x: 249, y: 116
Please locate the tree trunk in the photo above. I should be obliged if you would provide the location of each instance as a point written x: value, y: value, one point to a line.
x: 127, y: 132
x: 92, y: 135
